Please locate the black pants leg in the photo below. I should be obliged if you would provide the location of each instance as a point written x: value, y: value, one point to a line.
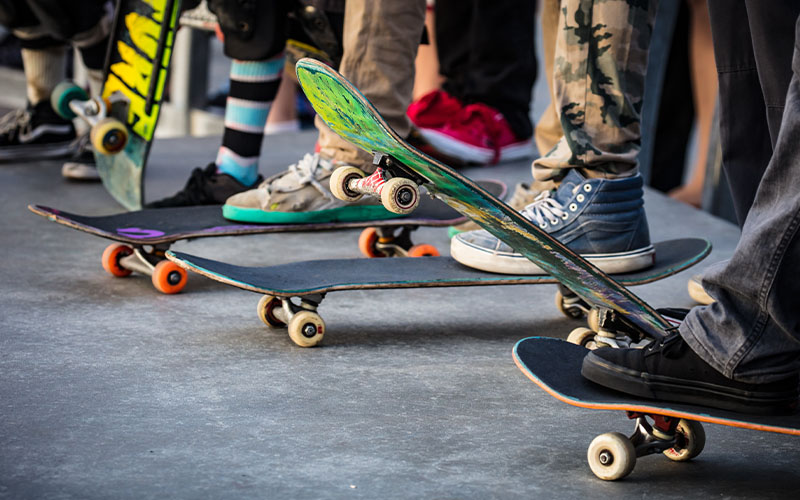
x: 486, y: 53
x: 753, y: 44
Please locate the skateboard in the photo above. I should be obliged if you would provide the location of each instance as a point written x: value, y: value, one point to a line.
x: 143, y: 236
x: 402, y: 170
x: 123, y: 120
x: 293, y: 292
x: 670, y: 428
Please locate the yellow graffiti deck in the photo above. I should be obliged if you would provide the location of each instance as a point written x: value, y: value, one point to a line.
x: 136, y: 67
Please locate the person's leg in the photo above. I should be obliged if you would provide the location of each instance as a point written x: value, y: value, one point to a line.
x: 548, y: 130
x: 743, y: 351
x: 597, y: 209
x: 380, y: 44
x: 744, y: 121
x: 254, y: 37
x: 601, y: 59
x: 36, y: 131
x: 704, y: 96
x: 253, y: 86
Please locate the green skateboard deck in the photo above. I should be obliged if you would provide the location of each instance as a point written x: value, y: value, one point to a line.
x: 346, y: 111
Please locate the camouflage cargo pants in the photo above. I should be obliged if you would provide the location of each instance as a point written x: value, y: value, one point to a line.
x: 598, y: 84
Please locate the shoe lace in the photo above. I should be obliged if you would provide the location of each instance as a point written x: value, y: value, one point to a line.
x: 17, y: 120
x: 544, y: 209
x: 308, y: 170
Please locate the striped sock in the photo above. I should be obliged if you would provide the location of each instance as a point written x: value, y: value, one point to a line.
x: 253, y: 88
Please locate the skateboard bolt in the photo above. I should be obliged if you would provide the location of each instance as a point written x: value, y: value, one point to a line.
x: 309, y: 330
x: 406, y: 196
x: 606, y: 458
x: 174, y: 278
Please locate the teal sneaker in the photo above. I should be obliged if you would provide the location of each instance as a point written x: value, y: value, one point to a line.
x: 601, y: 219
x: 301, y: 195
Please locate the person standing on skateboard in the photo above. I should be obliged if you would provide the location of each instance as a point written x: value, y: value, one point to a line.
x: 744, y: 348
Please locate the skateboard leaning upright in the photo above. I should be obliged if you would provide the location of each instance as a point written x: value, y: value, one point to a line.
x: 670, y: 428
x: 401, y: 170
x: 123, y: 119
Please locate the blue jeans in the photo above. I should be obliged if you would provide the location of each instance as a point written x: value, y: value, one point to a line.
x: 752, y: 332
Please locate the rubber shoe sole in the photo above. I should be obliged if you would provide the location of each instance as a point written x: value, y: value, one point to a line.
x: 514, y: 263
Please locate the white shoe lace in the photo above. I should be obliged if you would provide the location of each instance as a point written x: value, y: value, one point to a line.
x: 545, y: 209
x: 18, y: 119
x: 308, y: 170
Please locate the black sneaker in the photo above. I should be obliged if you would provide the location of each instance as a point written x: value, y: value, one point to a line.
x: 81, y: 167
x: 668, y: 370
x: 204, y: 187
x: 35, y: 132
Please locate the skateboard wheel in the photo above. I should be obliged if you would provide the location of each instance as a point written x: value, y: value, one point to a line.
x: 306, y: 329
x: 266, y: 311
x: 583, y: 337
x: 340, y: 180
x: 691, y: 439
x: 423, y: 250
x: 111, y: 256
x: 168, y: 277
x: 366, y: 243
x: 109, y: 136
x: 62, y: 95
x: 400, y: 195
x: 566, y: 309
x: 593, y: 319
x: 611, y: 456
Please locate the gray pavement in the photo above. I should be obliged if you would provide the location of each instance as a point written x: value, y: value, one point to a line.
x: 109, y: 389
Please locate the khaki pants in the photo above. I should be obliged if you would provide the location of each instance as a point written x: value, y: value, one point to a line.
x: 380, y: 43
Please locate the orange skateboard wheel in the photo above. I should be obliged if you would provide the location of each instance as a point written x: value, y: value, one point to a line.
x: 168, y: 277
x: 423, y: 250
x: 111, y: 256
x: 366, y: 243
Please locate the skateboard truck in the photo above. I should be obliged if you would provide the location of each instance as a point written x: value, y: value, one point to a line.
x: 108, y: 134
x: 395, y: 186
x: 607, y: 328
x: 121, y: 260
x: 613, y: 456
x: 305, y: 325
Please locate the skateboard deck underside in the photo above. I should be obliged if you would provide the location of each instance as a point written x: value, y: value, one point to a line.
x: 167, y: 225
x: 555, y: 366
x: 320, y: 276
x: 349, y: 114
x: 140, y: 49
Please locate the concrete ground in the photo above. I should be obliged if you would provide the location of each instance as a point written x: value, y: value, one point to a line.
x: 110, y: 389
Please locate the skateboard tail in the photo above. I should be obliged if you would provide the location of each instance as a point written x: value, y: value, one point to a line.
x: 528, y: 371
x: 350, y: 114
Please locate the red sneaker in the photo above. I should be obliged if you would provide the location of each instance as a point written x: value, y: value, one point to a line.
x: 479, y: 134
x: 434, y: 109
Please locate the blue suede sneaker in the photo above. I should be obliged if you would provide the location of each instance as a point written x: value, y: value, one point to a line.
x: 603, y: 220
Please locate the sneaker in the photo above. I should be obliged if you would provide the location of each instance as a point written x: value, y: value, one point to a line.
x: 522, y: 197
x: 206, y: 186
x: 301, y: 194
x: 434, y: 109
x: 601, y: 219
x: 478, y: 134
x: 697, y: 292
x: 668, y: 370
x: 82, y: 166
x: 35, y: 132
